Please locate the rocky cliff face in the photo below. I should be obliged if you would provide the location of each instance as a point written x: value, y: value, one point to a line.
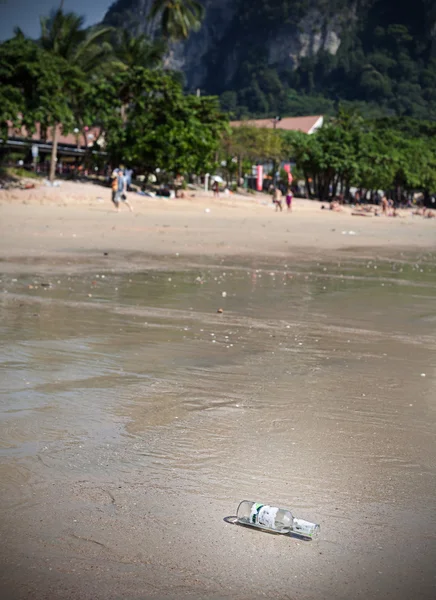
x: 228, y: 34
x: 271, y: 56
x: 316, y: 31
x: 132, y: 15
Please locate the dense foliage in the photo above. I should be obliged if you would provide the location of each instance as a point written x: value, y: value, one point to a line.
x: 73, y: 78
x: 163, y: 128
x: 36, y: 85
x: 246, y: 145
x: 385, y: 64
x: 367, y: 154
x: 392, y: 155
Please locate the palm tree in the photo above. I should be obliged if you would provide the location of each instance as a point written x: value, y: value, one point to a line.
x: 63, y: 35
x: 178, y: 17
x: 138, y: 51
x: 132, y: 51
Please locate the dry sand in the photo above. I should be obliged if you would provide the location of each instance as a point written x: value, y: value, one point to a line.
x: 77, y: 221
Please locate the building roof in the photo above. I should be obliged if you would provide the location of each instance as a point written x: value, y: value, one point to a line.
x: 70, y: 139
x: 304, y: 124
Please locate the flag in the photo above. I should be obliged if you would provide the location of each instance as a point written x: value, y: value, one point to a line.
x: 259, y: 182
x: 287, y: 168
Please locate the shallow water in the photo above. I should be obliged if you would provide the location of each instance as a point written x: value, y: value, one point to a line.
x: 134, y: 418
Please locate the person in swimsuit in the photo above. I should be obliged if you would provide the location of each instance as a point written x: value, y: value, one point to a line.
x: 289, y: 199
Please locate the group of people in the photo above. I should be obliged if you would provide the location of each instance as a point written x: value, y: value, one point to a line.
x: 277, y: 198
x: 389, y: 209
x: 386, y: 207
x: 427, y: 213
x: 121, y: 180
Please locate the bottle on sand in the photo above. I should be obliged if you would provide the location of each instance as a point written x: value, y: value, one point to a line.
x: 275, y: 519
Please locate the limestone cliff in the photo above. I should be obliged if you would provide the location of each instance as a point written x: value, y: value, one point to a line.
x: 303, y: 56
x: 228, y: 30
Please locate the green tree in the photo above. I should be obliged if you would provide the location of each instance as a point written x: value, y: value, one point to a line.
x: 255, y: 144
x: 102, y: 107
x: 388, y: 154
x: 16, y: 81
x: 329, y: 158
x: 165, y: 129
x: 132, y: 53
x: 37, y: 85
x: 64, y: 37
x: 177, y: 17
x: 229, y: 102
x: 374, y: 85
x: 298, y: 104
x: 137, y: 51
x: 413, y: 164
x: 376, y: 161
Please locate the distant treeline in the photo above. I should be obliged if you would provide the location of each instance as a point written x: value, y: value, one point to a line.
x: 394, y: 155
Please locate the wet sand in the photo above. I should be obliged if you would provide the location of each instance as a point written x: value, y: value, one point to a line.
x: 134, y: 417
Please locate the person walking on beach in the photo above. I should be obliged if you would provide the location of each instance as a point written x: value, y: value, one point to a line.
x: 114, y: 186
x: 128, y: 174
x: 289, y: 199
x: 277, y: 198
x: 119, y: 189
x: 216, y: 189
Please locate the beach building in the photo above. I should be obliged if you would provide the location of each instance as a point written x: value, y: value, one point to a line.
x: 71, y: 147
x: 305, y: 124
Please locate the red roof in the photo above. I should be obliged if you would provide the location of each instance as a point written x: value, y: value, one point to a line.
x: 305, y: 124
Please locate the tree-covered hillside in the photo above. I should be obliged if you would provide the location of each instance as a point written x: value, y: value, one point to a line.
x: 305, y: 56
x: 385, y: 61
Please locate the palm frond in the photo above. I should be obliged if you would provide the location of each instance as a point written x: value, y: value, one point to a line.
x: 138, y: 50
x: 177, y: 17
x: 64, y: 35
x: 19, y: 33
x: 96, y: 37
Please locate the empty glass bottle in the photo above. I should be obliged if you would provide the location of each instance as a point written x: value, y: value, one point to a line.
x: 274, y: 519
x: 264, y: 516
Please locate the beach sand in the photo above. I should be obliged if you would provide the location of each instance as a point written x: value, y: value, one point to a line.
x: 134, y: 417
x: 78, y: 221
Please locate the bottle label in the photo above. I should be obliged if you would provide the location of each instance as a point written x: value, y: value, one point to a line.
x: 254, y: 512
x: 265, y: 515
